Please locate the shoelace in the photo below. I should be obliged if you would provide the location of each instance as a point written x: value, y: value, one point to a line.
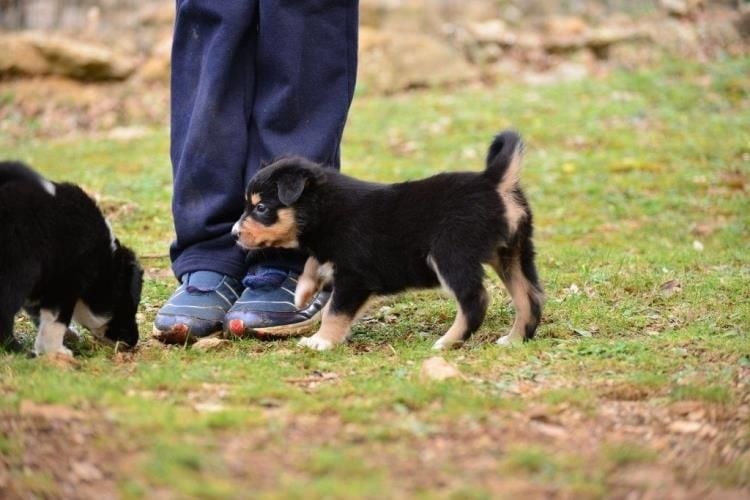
x: 265, y: 278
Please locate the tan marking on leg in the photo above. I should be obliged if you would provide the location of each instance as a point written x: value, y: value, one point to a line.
x: 283, y: 233
x: 255, y: 198
x: 307, y: 283
x: 455, y: 334
x: 519, y: 288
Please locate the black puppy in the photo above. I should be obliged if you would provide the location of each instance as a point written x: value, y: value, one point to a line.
x: 384, y: 238
x: 59, y: 260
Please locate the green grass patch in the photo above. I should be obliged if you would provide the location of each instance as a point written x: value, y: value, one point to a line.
x: 639, y: 188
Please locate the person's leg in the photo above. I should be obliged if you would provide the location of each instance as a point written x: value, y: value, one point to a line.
x: 306, y: 66
x: 212, y: 90
x: 213, y: 59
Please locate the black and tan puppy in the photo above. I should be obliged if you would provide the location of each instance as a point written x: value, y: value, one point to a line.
x: 384, y: 238
x: 60, y: 261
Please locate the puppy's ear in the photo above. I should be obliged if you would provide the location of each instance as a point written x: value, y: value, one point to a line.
x: 290, y: 188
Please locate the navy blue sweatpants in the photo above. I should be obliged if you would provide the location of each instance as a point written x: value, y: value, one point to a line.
x: 251, y: 80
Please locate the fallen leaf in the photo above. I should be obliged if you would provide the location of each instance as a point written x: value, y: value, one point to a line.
x: 86, y: 472
x: 122, y: 358
x: 697, y: 246
x: 582, y: 332
x: 671, y: 287
x: 733, y: 180
x: 437, y: 368
x: 211, y: 344
x: 312, y: 380
x: 49, y: 412
x: 704, y: 228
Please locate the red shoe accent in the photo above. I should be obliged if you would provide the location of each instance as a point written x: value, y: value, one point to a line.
x: 237, y: 327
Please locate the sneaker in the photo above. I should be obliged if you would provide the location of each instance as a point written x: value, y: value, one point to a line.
x: 266, y: 307
x: 197, y: 308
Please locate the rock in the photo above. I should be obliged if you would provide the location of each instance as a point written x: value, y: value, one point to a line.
x: 19, y: 57
x: 437, y: 368
x: 86, y: 472
x: 564, y: 26
x: 602, y: 39
x: 211, y: 344
x: 155, y: 69
x: 494, y: 31
x: 393, y: 61
x: 37, y: 54
x: 159, y: 14
x: 674, y: 7
x: 372, y: 13
x: 676, y: 37
x: 680, y: 8
x: 685, y: 426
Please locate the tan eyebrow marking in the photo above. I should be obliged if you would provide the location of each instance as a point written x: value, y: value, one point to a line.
x: 255, y: 198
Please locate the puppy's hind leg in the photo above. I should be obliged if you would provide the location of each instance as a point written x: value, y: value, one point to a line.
x: 464, y: 282
x: 516, y: 268
x: 12, y: 295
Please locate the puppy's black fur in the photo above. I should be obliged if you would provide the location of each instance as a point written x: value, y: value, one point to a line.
x: 382, y: 239
x: 59, y: 260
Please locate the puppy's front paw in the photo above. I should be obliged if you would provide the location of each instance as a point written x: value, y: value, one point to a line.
x: 441, y: 345
x: 304, y: 292
x: 510, y: 340
x: 316, y: 343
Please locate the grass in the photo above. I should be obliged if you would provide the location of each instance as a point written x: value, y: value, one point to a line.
x: 625, y: 175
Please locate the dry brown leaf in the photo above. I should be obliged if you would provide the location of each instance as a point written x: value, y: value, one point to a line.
x: 671, y: 287
x: 211, y: 344
x: 49, y: 412
x: 86, y: 472
x: 437, y: 368
x: 60, y: 360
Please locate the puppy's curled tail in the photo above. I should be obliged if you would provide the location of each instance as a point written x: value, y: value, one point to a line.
x: 15, y: 171
x: 504, y: 161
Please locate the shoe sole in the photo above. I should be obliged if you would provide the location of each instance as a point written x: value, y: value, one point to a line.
x: 280, y: 331
x: 179, y: 334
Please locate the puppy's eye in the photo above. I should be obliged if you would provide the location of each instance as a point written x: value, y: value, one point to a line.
x: 261, y: 209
